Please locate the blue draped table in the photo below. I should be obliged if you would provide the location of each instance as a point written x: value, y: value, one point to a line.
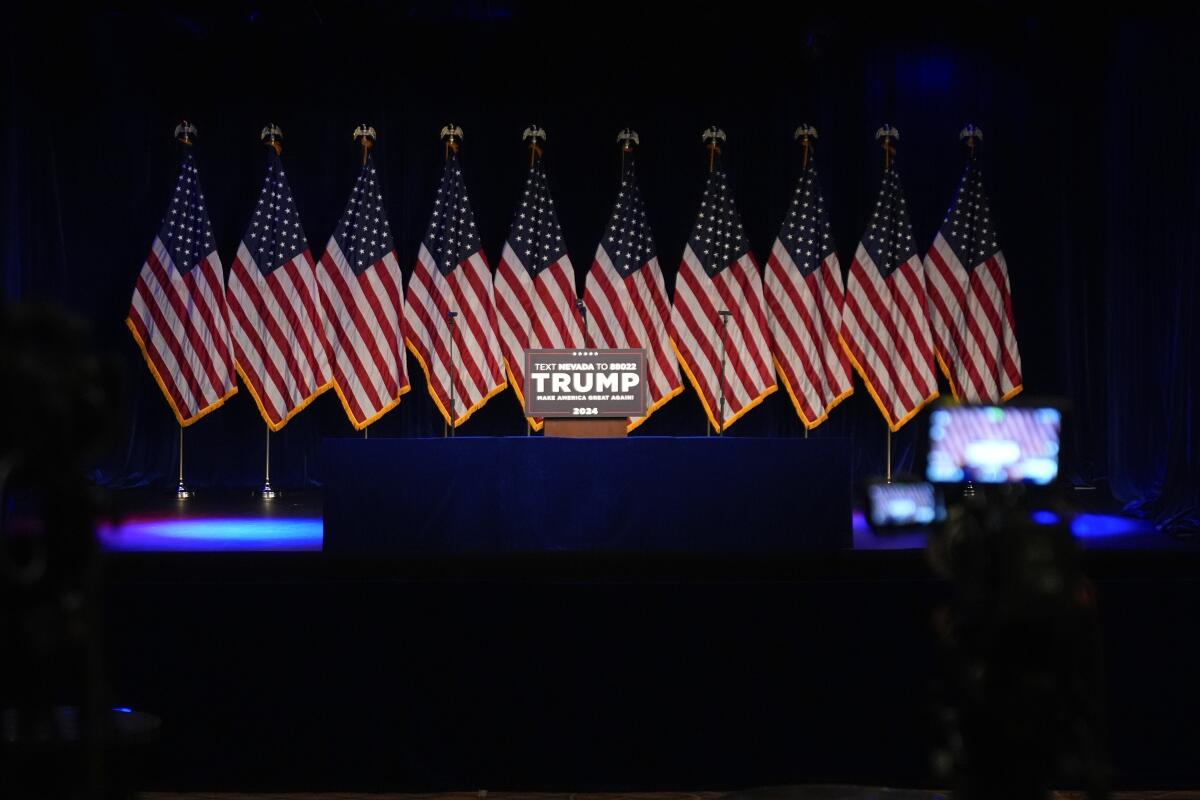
x: 537, y: 494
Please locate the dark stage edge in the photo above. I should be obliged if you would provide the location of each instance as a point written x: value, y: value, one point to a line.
x: 1059, y: 795
x: 306, y: 671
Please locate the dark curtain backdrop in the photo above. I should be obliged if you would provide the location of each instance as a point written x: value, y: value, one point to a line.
x: 1089, y: 157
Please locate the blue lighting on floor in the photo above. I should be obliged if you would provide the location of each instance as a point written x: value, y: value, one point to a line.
x: 217, y: 534
x: 1120, y: 531
x: 123, y: 710
x: 1099, y: 526
x: 213, y: 534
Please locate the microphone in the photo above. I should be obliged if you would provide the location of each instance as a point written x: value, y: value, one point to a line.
x: 582, y: 309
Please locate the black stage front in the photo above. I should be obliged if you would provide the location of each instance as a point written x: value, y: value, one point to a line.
x: 537, y: 494
x: 310, y: 671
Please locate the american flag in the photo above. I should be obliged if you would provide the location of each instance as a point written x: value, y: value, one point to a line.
x: 884, y: 326
x: 276, y: 324
x: 535, y: 284
x: 359, y: 279
x: 803, y: 286
x: 452, y: 274
x: 970, y: 302
x: 178, y: 314
x: 626, y: 296
x: 719, y: 273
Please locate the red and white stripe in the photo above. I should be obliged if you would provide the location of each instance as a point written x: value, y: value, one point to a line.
x: 748, y: 376
x: 634, y: 312
x: 804, y: 315
x: 365, y: 329
x: 278, y: 334
x: 478, y: 371
x: 886, y: 333
x: 534, y: 313
x: 971, y: 316
x: 181, y: 324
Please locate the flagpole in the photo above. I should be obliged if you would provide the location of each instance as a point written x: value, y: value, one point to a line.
x: 450, y: 315
x: 267, y: 493
x: 451, y: 133
x: 805, y: 134
x: 531, y: 135
x: 885, y: 134
x: 712, y: 138
x: 714, y: 149
x: 628, y: 139
x: 272, y: 137
x: 889, y: 455
x: 724, y: 314
x: 971, y: 135
x: 181, y: 491
x: 365, y: 135
x: 184, y: 132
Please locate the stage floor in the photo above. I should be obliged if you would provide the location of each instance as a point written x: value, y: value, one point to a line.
x: 597, y: 670
x: 237, y: 521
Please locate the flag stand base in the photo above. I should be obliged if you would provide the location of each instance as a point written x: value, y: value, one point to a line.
x: 266, y: 492
x: 182, y: 492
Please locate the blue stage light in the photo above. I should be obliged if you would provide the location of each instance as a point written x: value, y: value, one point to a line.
x: 1099, y: 526
x: 1044, y: 517
x: 214, y: 534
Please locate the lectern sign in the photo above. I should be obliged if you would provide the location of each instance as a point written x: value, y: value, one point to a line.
x: 585, y: 383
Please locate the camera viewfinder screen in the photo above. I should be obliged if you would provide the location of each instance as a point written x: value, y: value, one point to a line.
x: 990, y: 444
x: 902, y: 504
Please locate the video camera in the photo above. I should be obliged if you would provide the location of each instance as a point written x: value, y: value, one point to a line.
x: 1011, y: 452
x: 1021, y: 706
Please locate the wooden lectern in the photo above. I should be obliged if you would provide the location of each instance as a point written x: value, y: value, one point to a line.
x: 590, y: 428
